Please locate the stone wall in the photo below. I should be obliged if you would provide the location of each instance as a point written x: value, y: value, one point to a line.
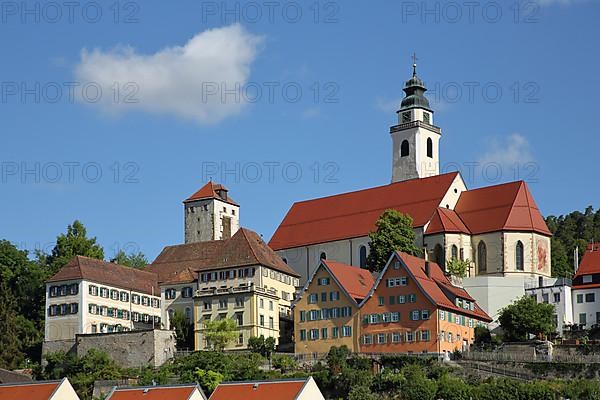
x: 128, y: 349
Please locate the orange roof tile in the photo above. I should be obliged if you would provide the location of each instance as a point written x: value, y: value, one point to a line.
x: 28, y: 391
x: 508, y: 206
x: 357, y: 282
x: 182, y: 392
x: 354, y: 214
x: 590, y: 263
x: 108, y: 273
x: 445, y: 220
x: 212, y: 191
x: 279, y: 390
x: 177, y: 264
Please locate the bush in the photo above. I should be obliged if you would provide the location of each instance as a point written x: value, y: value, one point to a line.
x: 416, y: 385
x: 361, y: 393
x: 284, y: 363
x: 450, y: 388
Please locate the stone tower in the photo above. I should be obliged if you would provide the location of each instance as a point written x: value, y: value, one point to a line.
x: 210, y: 214
x: 415, y: 138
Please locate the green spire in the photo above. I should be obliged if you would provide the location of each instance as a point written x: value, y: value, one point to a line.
x: 415, y: 89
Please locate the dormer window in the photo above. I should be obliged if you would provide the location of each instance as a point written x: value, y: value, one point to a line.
x: 587, y: 279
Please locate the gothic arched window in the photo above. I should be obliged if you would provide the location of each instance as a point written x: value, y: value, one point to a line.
x: 519, y: 256
x: 404, y: 151
x: 454, y: 252
x: 482, y: 257
x: 323, y: 256
x: 429, y: 148
x: 362, y: 256
x: 440, y: 257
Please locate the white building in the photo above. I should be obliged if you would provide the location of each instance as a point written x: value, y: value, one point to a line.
x: 498, y: 228
x: 586, y: 289
x: 94, y: 296
x: 555, y: 291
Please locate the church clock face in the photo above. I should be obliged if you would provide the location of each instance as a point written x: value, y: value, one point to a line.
x: 406, y: 117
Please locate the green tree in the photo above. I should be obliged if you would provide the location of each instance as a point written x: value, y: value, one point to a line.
x: 560, y: 260
x: 220, y: 332
x: 361, y: 393
x: 134, y: 260
x: 284, y: 363
x: 209, y: 380
x: 458, y: 268
x: 394, y: 233
x: 526, y: 316
x: 74, y: 243
x: 262, y: 346
x: 184, y: 330
x: 417, y: 386
x: 11, y: 354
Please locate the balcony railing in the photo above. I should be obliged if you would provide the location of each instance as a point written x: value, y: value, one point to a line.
x: 415, y: 124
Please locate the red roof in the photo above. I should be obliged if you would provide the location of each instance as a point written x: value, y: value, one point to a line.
x: 181, y: 263
x: 279, y: 390
x: 437, y: 286
x: 108, y: 273
x: 590, y: 263
x: 354, y: 214
x: 445, y: 220
x: 508, y: 207
x: 357, y: 282
x: 154, y: 393
x: 28, y: 391
x: 212, y: 191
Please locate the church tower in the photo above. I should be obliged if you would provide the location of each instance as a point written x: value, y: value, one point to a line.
x: 210, y: 214
x: 415, y: 138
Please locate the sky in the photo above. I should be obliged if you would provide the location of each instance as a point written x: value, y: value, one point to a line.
x: 114, y: 112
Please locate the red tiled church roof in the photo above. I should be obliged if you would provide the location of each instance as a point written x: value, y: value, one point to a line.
x: 212, y: 191
x: 108, y: 273
x: 508, y: 207
x: 354, y: 214
x: 181, y: 263
x: 590, y: 263
x: 357, y: 282
x: 280, y: 390
x: 445, y: 220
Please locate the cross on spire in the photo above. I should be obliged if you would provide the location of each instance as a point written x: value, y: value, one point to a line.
x: 414, y: 58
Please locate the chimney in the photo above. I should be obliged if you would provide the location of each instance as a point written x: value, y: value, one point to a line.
x: 427, y: 268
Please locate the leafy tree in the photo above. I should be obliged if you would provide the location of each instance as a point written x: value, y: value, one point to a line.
x: 184, y: 330
x: 361, y: 393
x: 284, y: 363
x: 74, y: 243
x: 526, y: 316
x: 337, y: 358
x: 209, y: 380
x: 458, y: 268
x: 10, y: 344
x: 220, y: 333
x: 417, y: 386
x: 133, y: 260
x: 262, y: 346
x: 394, y: 233
x: 560, y: 260
x: 450, y: 388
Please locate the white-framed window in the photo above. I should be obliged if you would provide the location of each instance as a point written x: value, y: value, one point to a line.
x: 424, y: 314
x: 346, y: 331
x: 425, y: 335
x: 314, y: 334
x: 381, y: 338
x: 367, y: 339
x: 442, y: 315
x: 395, y: 316
x: 312, y: 298
x: 324, y: 281
x: 410, y: 336
x: 114, y: 294
x: 415, y: 315
x: 93, y: 289
x: 186, y: 292
x: 262, y: 320
x: 396, y: 337
x: 401, y: 299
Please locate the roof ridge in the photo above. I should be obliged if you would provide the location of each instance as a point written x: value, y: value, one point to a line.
x: 376, y: 187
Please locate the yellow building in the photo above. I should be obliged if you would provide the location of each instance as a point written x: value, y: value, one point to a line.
x: 94, y: 296
x: 327, y: 313
x: 239, y: 278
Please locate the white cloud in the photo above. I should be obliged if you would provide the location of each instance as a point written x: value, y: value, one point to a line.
x: 176, y: 80
x: 507, y: 151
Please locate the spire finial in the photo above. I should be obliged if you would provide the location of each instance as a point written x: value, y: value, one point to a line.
x: 414, y: 58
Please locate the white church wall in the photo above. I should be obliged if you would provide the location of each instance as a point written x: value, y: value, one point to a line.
x: 493, y: 244
x: 536, y: 253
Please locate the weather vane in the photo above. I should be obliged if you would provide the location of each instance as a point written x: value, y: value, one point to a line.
x: 414, y: 58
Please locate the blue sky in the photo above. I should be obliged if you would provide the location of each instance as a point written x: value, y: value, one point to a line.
x: 349, y: 60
